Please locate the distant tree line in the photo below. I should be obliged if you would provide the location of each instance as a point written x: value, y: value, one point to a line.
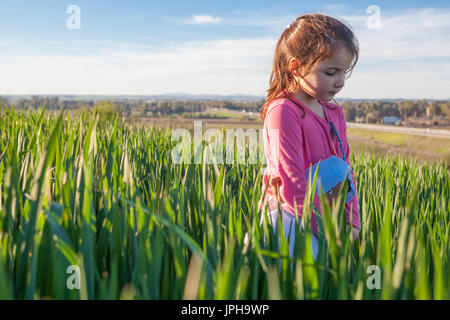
x: 363, y: 111
x: 371, y: 111
x: 159, y: 107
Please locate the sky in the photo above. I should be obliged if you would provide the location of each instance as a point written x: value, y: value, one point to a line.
x: 212, y: 47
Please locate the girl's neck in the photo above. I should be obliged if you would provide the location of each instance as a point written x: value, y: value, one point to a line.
x: 309, y: 101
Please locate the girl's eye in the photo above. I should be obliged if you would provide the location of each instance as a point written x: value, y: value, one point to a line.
x: 329, y: 73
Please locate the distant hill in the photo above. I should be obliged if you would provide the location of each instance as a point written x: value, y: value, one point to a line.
x: 167, y: 97
x: 177, y: 96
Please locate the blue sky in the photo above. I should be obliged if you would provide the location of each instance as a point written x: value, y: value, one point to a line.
x: 211, y: 47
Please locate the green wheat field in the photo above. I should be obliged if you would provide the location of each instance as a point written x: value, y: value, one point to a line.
x: 106, y: 197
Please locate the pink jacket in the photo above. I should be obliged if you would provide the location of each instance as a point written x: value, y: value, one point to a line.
x: 292, y: 143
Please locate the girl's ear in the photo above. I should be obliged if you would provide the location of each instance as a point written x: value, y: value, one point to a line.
x: 294, y: 67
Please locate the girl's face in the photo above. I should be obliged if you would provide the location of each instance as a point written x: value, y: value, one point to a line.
x: 327, y: 77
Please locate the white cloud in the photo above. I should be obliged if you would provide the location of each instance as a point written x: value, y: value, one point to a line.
x: 335, y: 7
x: 407, y: 35
x: 203, y: 19
x: 409, y: 57
x: 409, y: 80
x: 139, y: 16
x: 247, y: 19
x: 219, y: 67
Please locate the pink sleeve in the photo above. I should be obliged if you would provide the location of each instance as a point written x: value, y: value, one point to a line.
x: 286, y: 142
x: 353, y: 204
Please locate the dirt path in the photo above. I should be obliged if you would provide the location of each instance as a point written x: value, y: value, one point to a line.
x: 363, y: 144
x: 439, y: 133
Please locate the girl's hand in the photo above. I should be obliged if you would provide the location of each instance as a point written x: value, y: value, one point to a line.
x: 355, y: 233
x: 275, y: 182
x: 333, y: 193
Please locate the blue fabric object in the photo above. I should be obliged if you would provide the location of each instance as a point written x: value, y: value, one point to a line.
x: 332, y: 171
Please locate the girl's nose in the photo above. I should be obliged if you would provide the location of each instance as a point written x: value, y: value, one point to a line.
x: 339, y: 84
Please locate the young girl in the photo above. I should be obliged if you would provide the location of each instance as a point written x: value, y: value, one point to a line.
x: 313, y: 57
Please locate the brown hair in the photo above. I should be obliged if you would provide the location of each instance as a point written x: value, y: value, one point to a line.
x: 311, y: 38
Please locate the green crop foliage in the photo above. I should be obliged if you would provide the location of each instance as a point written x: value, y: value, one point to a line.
x: 106, y: 197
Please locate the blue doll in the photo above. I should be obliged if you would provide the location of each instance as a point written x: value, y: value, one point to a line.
x: 332, y: 172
